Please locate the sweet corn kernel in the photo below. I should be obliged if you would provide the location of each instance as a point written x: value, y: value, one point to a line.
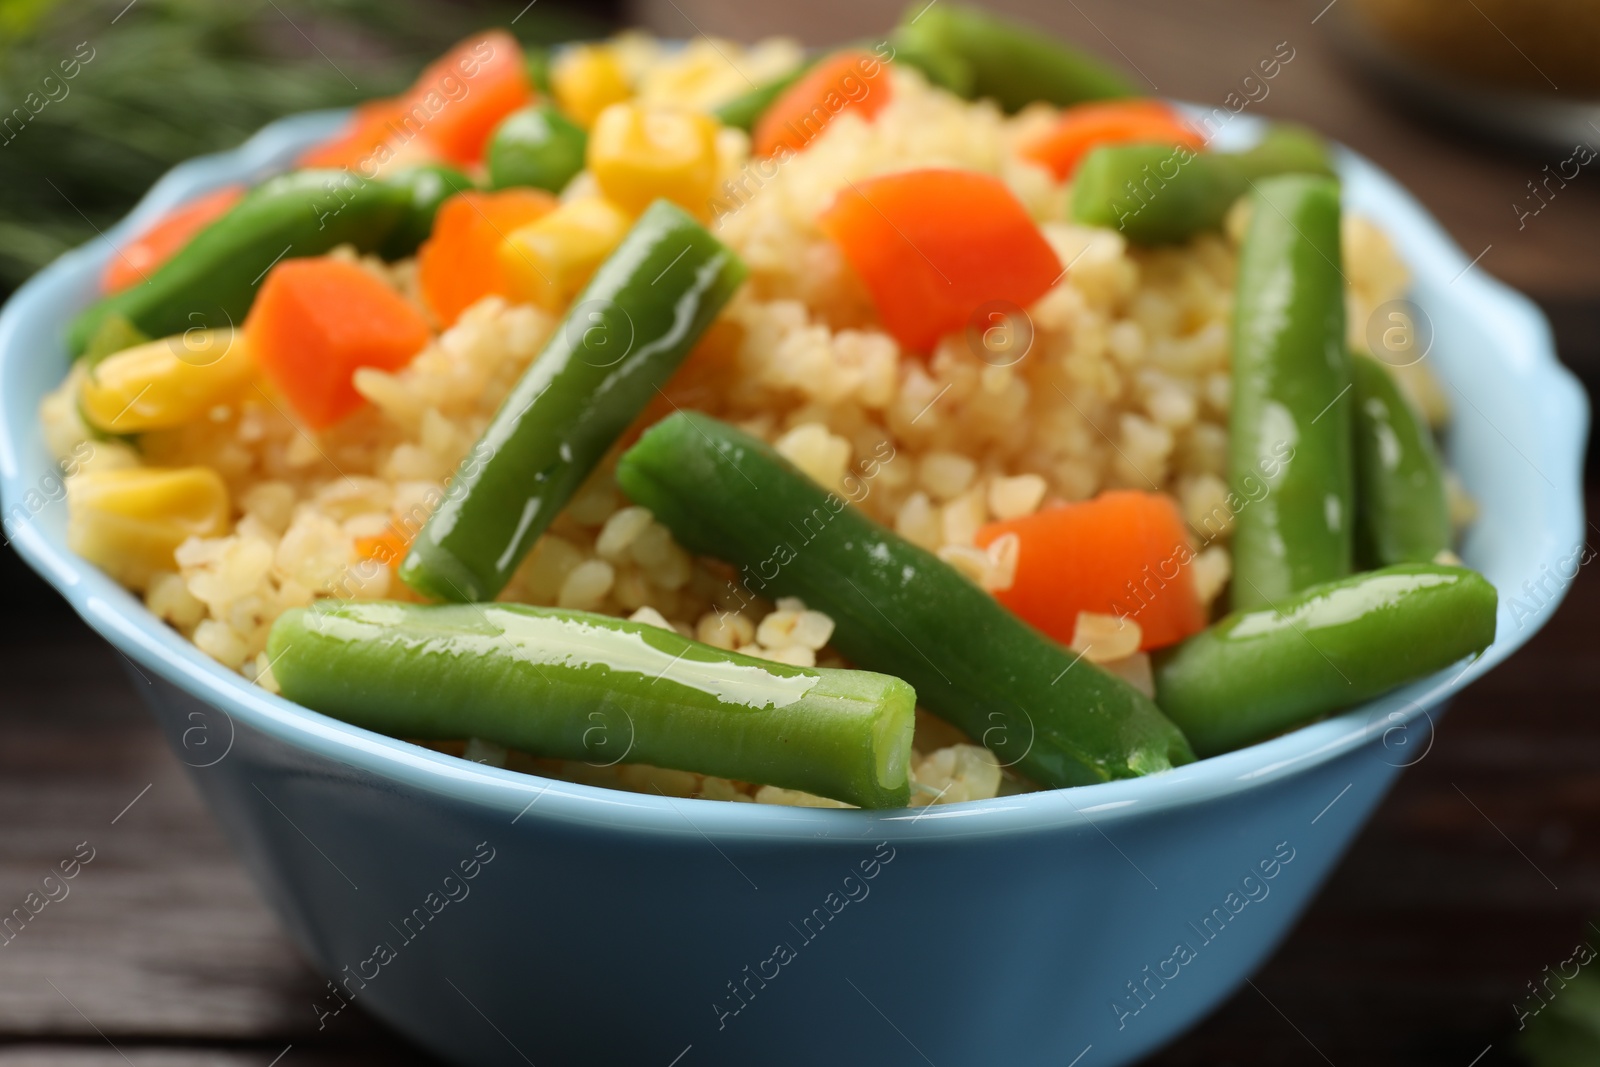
x: 548, y: 261
x: 586, y: 80
x: 167, y: 383
x: 638, y: 154
x: 129, y: 522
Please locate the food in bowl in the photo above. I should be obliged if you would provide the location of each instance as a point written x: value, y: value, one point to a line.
x: 906, y: 424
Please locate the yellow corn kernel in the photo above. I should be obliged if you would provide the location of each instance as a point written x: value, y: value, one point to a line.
x: 129, y: 522
x: 637, y: 154
x: 167, y: 383
x: 587, y: 79
x: 551, y: 259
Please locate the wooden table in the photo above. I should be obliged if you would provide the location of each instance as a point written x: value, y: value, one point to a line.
x: 1414, y: 954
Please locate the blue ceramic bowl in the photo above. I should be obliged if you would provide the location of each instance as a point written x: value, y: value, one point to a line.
x: 500, y: 918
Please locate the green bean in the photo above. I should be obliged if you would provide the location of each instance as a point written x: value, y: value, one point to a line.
x: 1285, y: 148
x: 896, y: 607
x: 1289, y: 426
x: 618, y: 344
x: 1011, y: 63
x: 537, y: 146
x: 429, y: 185
x: 1158, y: 194
x: 1262, y: 671
x: 746, y: 109
x: 114, y: 334
x: 578, y: 686
x: 1402, y: 514
x: 212, y: 280
x: 941, y: 68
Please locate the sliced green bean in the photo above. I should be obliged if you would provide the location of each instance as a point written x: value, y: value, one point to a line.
x: 212, y: 280
x: 1289, y: 429
x: 1159, y: 194
x: 896, y: 608
x: 1011, y: 63
x: 1262, y: 671
x: 429, y: 186
x: 537, y: 146
x: 114, y: 334
x: 1402, y: 513
x: 618, y: 344
x: 746, y: 109
x: 942, y: 68
x: 574, y: 685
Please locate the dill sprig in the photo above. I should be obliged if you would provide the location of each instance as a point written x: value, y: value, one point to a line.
x: 170, y: 79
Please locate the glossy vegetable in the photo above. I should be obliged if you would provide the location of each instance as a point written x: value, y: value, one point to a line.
x: 1124, y: 553
x: 1289, y: 422
x: 1261, y: 671
x: 941, y: 68
x: 851, y: 81
x: 579, y: 686
x: 1286, y: 148
x: 316, y: 322
x: 587, y: 79
x: 744, y: 110
x: 933, y: 246
x: 212, y: 281
x: 429, y: 186
x: 1088, y: 126
x: 164, y: 384
x: 135, y: 260
x: 896, y: 608
x: 627, y: 333
x: 1157, y: 194
x: 537, y: 146
x: 129, y: 522
x: 464, y: 94
x: 459, y: 264
x: 640, y: 153
x: 1011, y: 63
x: 549, y: 260
x: 1402, y: 514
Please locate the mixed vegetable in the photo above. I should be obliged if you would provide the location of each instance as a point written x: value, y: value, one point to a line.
x: 547, y: 181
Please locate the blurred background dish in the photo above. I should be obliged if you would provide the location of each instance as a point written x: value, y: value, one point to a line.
x: 1519, y: 70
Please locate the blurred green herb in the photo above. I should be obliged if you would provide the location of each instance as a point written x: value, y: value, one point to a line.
x: 154, y: 82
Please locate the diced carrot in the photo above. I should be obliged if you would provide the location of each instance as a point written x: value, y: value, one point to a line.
x: 854, y: 81
x: 388, y: 547
x: 317, y: 320
x: 462, y: 96
x: 460, y: 263
x: 356, y: 145
x: 933, y: 246
x: 1124, y: 553
x: 1088, y: 126
x: 135, y: 260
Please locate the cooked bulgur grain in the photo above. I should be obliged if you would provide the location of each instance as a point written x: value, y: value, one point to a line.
x: 1125, y: 385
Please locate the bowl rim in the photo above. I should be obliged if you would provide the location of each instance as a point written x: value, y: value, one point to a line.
x: 122, y: 619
